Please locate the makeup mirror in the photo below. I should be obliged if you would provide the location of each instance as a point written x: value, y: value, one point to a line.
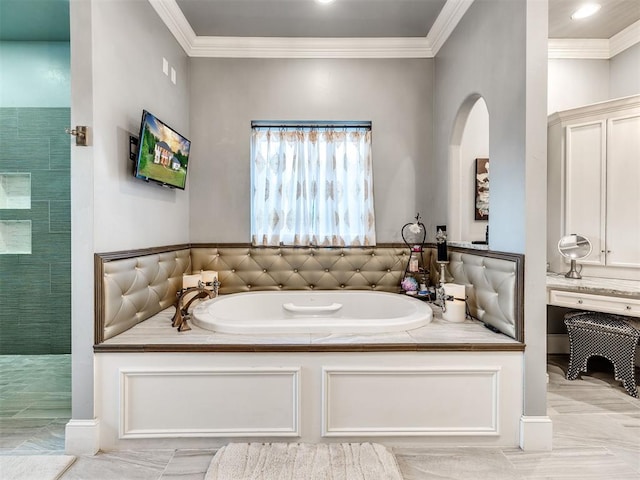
x: 574, y: 247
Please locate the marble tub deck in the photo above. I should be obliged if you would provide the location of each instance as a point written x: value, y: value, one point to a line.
x: 157, y: 331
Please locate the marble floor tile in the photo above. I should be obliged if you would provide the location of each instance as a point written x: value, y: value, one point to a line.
x: 456, y: 464
x: 123, y: 465
x: 188, y: 465
x: 570, y: 462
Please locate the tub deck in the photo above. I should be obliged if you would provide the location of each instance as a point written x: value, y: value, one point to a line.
x: 157, y: 335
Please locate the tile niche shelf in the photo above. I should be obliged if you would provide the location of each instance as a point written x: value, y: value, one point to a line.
x: 15, y: 191
x: 15, y: 194
x: 15, y: 237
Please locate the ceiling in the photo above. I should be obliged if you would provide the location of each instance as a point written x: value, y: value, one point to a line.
x: 194, y: 22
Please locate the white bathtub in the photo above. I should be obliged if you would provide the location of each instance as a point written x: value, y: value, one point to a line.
x: 326, y: 311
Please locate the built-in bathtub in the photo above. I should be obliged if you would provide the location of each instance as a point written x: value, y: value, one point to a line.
x: 454, y: 384
x: 312, y: 312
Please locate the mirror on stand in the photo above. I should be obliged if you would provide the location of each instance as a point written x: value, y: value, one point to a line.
x: 574, y: 247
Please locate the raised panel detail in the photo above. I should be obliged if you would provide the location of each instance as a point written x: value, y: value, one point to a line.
x: 210, y: 403
x: 410, y: 402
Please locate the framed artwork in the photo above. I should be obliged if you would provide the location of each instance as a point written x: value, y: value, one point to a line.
x: 482, y: 189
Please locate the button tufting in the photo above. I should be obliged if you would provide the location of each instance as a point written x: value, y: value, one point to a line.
x: 326, y: 269
x: 312, y: 286
x: 311, y: 254
x: 342, y: 254
x: 249, y: 254
x: 264, y: 270
x: 233, y: 270
x: 373, y: 285
x: 357, y: 270
x: 295, y: 270
x: 373, y: 254
x: 388, y: 269
x: 342, y: 286
x: 280, y: 286
x: 248, y: 285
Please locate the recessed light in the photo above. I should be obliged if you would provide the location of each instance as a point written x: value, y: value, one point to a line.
x: 324, y: 1
x: 585, y: 11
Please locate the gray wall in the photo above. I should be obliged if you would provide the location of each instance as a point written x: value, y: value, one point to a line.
x: 116, y: 71
x: 625, y: 73
x: 226, y: 94
x: 575, y: 82
x: 499, y: 51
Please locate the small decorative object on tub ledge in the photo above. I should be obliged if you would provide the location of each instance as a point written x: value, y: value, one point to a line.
x: 409, y: 285
x: 194, y: 287
x: 414, y: 234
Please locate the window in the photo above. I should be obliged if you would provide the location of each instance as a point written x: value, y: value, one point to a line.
x: 312, y: 184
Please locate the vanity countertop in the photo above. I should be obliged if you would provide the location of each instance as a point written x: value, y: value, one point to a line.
x: 594, y: 285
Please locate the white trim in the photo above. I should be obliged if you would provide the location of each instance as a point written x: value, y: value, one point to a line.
x: 272, y: 47
x: 82, y: 437
x: 624, y: 39
x: 152, y: 431
x: 172, y: 16
x: 492, y: 374
x: 579, y: 48
x: 536, y: 433
x: 445, y: 24
x: 595, y: 49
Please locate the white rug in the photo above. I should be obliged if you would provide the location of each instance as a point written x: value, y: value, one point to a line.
x: 34, y: 467
x: 303, y: 461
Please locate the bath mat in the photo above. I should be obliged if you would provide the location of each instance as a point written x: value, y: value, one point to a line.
x: 34, y: 467
x: 308, y: 461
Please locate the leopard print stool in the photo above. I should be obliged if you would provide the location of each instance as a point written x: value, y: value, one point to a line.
x: 613, y: 337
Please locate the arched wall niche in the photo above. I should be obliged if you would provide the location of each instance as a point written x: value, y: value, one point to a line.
x: 469, y: 140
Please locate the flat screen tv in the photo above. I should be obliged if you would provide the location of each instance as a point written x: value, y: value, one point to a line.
x: 163, y: 154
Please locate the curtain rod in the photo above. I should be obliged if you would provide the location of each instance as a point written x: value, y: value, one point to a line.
x: 308, y: 124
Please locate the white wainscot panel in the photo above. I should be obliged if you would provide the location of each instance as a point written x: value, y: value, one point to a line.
x: 408, y: 402
x: 210, y: 403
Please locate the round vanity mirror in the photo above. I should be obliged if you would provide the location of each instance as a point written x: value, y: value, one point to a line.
x: 574, y: 247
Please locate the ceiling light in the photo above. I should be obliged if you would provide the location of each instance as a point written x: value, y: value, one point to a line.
x: 324, y: 1
x: 585, y: 11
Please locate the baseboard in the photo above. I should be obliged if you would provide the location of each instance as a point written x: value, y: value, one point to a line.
x: 536, y: 433
x: 82, y: 437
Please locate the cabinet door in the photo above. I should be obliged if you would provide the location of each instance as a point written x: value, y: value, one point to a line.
x: 623, y: 192
x: 584, y: 186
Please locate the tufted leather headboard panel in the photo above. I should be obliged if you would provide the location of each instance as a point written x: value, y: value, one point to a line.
x: 494, y: 288
x: 134, y: 289
x: 133, y: 286
x: 242, y: 269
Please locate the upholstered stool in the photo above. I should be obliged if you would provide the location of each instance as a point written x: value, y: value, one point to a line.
x: 610, y: 336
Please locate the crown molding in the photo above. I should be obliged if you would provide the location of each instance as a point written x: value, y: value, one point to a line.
x: 447, y: 21
x: 579, y: 48
x: 272, y: 47
x: 596, y: 49
x: 628, y: 37
x: 172, y: 16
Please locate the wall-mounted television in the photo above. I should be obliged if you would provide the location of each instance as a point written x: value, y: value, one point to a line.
x: 163, y: 153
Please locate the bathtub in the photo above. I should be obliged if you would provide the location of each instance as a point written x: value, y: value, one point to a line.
x: 326, y: 311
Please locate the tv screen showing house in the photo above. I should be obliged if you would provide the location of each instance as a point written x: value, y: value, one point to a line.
x: 163, y: 154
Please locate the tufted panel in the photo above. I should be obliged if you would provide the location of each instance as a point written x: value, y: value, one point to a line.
x: 135, y: 289
x: 493, y: 289
x: 133, y: 286
x: 303, y: 268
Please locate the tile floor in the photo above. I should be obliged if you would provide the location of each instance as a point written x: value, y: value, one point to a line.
x: 596, y: 434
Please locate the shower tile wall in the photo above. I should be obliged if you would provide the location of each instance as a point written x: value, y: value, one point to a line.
x: 35, y: 289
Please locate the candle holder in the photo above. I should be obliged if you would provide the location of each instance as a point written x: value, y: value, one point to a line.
x: 441, y: 296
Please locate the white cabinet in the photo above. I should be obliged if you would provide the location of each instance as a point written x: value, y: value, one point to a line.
x: 594, y: 181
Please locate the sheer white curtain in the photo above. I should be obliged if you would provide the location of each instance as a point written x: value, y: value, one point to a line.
x: 312, y: 185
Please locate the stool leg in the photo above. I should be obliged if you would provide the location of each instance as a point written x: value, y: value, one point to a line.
x: 577, y: 358
x: 623, y: 359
